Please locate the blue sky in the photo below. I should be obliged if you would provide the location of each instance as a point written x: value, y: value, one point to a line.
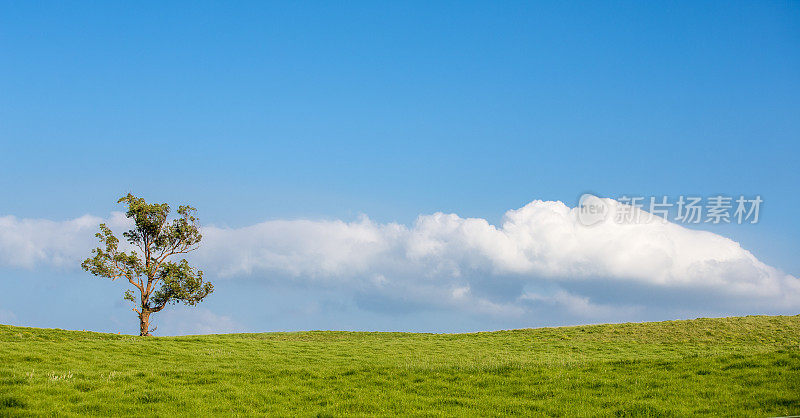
x: 264, y: 111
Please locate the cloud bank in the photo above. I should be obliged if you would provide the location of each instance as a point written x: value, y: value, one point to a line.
x: 540, y: 260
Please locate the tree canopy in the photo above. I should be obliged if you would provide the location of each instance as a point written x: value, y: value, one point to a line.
x: 156, y: 278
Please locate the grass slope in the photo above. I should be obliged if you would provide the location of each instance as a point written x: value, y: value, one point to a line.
x: 729, y: 366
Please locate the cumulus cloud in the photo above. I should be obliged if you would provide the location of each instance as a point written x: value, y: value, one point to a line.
x: 28, y: 243
x: 541, y: 255
x: 456, y: 261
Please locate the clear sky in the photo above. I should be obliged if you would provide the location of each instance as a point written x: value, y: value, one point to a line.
x: 266, y: 111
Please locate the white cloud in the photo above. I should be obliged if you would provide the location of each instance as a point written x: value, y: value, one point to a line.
x: 28, y: 243
x: 465, y: 264
x: 542, y: 241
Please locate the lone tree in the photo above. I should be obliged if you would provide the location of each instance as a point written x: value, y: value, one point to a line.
x: 157, y: 240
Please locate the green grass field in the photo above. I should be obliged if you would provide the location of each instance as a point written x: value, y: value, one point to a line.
x: 730, y: 366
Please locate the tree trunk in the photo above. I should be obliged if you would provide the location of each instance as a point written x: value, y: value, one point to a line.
x: 144, y: 323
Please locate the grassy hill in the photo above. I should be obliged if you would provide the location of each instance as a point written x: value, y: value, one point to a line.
x: 728, y: 366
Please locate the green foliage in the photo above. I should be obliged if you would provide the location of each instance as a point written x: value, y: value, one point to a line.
x: 158, y: 280
x: 181, y: 283
x: 110, y: 262
x: 746, y: 366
